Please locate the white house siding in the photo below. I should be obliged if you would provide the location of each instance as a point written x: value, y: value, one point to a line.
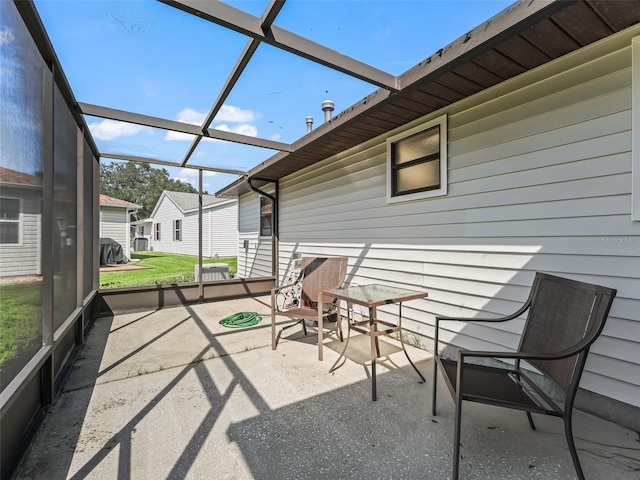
x: 223, y: 230
x: 114, y: 224
x: 219, y: 226
x: 255, y: 260
x: 539, y: 180
x: 166, y: 214
x: 24, y: 258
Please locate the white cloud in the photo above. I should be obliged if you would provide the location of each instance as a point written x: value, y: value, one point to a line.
x: 189, y: 115
x: 243, y: 129
x: 190, y: 176
x: 110, y: 129
x: 6, y: 36
x: 229, y: 113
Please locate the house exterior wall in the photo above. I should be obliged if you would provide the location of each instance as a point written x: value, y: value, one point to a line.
x: 223, y: 230
x: 254, y: 260
x: 219, y: 227
x: 539, y: 180
x: 24, y: 258
x: 114, y: 223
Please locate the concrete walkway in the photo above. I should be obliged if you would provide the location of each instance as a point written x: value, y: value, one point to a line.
x: 172, y: 394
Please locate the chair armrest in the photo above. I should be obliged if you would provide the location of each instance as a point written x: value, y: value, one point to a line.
x: 567, y: 352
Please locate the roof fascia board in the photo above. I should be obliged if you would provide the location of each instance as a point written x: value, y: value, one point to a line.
x: 505, y: 24
x: 246, y: 24
x: 164, y: 124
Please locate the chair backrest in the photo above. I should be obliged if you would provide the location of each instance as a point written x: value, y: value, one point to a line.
x: 321, y: 273
x: 564, y: 314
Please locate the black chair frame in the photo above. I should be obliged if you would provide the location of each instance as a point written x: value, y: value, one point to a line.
x: 563, y: 301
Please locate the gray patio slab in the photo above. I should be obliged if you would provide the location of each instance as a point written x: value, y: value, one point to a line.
x: 173, y: 394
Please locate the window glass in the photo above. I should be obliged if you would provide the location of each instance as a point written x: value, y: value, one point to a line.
x: 266, y: 216
x: 9, y: 220
x: 417, y: 162
x: 177, y: 230
x: 21, y: 153
x: 417, y: 146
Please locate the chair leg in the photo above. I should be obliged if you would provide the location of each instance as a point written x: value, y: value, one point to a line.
x: 456, y: 440
x: 531, y: 424
x: 433, y: 392
x: 568, y: 430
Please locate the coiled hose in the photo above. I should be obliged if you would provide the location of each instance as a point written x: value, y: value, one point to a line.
x: 242, y: 319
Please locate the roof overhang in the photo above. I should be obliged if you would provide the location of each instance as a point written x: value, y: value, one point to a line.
x: 522, y: 37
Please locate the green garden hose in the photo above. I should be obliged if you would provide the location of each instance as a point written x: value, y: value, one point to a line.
x: 243, y: 319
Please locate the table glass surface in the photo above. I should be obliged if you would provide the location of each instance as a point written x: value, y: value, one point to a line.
x: 375, y: 294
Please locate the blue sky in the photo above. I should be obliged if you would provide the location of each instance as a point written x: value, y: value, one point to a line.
x: 146, y: 57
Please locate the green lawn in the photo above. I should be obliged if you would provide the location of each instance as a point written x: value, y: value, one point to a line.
x: 20, y: 326
x: 161, y: 268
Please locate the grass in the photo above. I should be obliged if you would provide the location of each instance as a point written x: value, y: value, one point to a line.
x: 161, y: 268
x: 20, y: 326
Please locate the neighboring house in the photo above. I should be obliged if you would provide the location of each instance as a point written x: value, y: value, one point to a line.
x: 175, y: 225
x: 115, y: 221
x: 536, y: 167
x: 20, y: 223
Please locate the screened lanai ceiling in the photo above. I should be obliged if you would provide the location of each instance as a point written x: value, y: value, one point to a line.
x: 227, y: 86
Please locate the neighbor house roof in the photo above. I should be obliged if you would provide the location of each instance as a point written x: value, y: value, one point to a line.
x: 13, y: 177
x: 106, y: 201
x: 188, y: 202
x: 524, y: 36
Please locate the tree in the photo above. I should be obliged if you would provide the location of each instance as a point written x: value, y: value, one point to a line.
x: 139, y: 183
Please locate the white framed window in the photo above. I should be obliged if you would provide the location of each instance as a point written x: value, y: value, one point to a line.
x: 417, y: 162
x: 10, y: 221
x: 635, y: 129
x: 177, y: 230
x: 156, y: 232
x: 266, y: 216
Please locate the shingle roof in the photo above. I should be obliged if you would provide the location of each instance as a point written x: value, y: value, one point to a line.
x: 116, y: 202
x: 9, y: 176
x: 189, y: 201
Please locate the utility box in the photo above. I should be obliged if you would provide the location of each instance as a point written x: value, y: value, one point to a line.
x: 213, y: 271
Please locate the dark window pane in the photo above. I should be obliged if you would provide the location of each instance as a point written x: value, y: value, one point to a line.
x: 9, y: 209
x: 9, y: 232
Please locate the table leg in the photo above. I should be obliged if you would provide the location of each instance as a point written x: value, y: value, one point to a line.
x: 402, y: 342
x: 346, y: 343
x: 375, y: 350
x: 319, y: 326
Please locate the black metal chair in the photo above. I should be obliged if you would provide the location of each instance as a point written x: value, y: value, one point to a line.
x: 564, y: 318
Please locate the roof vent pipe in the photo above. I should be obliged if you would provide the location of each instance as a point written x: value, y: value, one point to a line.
x: 309, y: 124
x: 327, y: 108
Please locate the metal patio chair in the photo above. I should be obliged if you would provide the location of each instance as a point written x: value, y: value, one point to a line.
x: 564, y: 318
x: 317, y: 274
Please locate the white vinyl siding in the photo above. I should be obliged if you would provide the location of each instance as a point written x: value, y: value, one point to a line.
x: 255, y: 260
x: 636, y: 129
x: 219, y: 227
x: 539, y: 180
x: 114, y: 224
x: 24, y: 258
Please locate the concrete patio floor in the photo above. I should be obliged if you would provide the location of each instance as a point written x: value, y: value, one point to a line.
x: 171, y: 394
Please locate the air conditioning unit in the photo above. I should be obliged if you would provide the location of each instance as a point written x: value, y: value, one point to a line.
x: 213, y: 271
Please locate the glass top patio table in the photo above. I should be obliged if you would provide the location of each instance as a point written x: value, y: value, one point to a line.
x: 373, y: 296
